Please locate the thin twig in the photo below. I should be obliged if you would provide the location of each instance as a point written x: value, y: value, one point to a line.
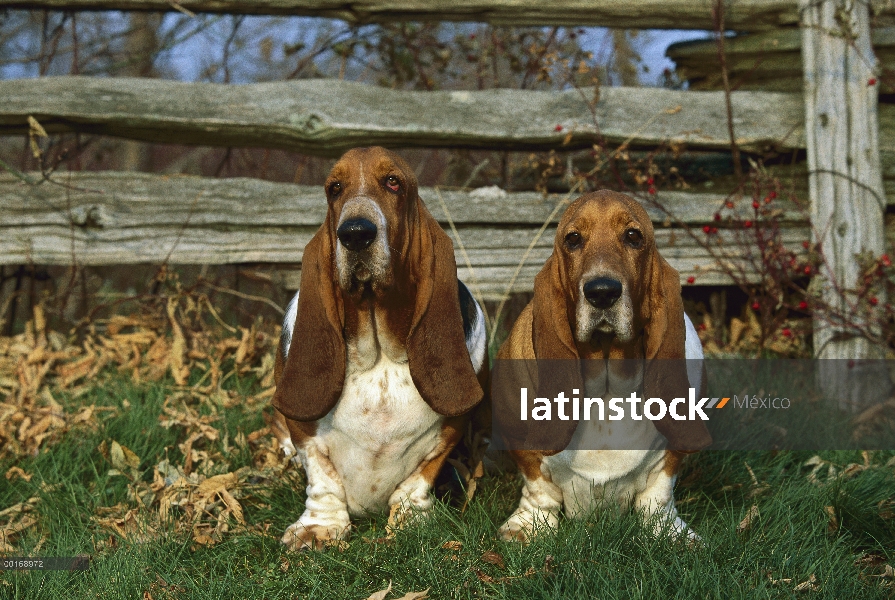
x: 475, y: 279
x: 224, y: 290
x: 722, y: 58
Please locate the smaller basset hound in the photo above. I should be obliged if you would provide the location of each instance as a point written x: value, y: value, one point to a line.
x: 382, y: 354
x: 606, y: 293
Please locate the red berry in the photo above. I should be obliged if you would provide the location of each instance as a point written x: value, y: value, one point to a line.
x: 557, y: 128
x: 807, y: 269
x: 691, y: 280
x: 786, y: 332
x: 767, y: 199
x: 714, y: 230
x: 806, y: 244
x: 649, y: 181
x: 701, y: 327
x: 772, y: 195
x: 755, y: 204
x: 803, y: 305
x: 706, y: 229
x: 871, y: 81
x: 885, y: 260
x: 717, y: 216
x: 747, y: 224
x: 728, y: 204
x: 874, y: 301
x: 756, y: 306
x: 652, y: 190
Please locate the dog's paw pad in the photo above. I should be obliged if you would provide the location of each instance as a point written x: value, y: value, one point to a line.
x: 300, y: 537
x: 512, y: 532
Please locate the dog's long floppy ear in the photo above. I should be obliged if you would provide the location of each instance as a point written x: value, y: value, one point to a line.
x: 551, y: 333
x: 666, y: 366
x: 436, y: 345
x: 314, y: 373
x: 559, y: 367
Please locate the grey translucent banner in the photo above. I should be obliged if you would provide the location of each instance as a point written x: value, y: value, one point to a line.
x: 728, y: 404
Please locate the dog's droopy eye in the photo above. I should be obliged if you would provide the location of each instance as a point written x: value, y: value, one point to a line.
x: 335, y: 189
x: 393, y: 183
x: 573, y: 240
x: 634, y: 238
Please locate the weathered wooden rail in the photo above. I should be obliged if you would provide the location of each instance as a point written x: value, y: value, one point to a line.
x: 742, y: 15
x: 322, y: 116
x: 770, y: 61
x: 122, y: 218
x: 131, y: 218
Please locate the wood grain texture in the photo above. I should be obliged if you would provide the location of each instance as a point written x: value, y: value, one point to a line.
x: 845, y: 182
x: 769, y: 61
x: 131, y: 218
x: 326, y: 117
x: 744, y: 15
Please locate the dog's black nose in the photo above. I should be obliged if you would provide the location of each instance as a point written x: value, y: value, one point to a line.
x: 356, y: 234
x: 602, y: 292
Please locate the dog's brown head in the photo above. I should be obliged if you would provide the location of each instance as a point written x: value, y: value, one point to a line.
x: 378, y: 247
x: 607, y: 292
x: 607, y: 281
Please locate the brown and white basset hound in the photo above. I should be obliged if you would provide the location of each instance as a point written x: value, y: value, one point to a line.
x: 606, y: 293
x: 381, y: 355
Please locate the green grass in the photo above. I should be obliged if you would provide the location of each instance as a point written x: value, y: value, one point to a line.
x: 608, y: 555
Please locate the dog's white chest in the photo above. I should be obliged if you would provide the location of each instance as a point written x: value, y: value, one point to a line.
x: 589, y: 472
x: 379, y: 432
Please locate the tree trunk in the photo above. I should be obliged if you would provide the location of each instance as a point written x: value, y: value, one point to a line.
x: 846, y: 190
x: 142, y: 45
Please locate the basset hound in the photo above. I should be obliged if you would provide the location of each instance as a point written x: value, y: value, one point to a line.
x: 605, y: 293
x: 382, y: 354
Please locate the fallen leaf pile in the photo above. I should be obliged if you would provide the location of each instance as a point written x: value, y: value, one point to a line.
x: 188, y: 498
x: 180, y: 335
x: 743, y: 337
x: 824, y: 471
x: 19, y: 517
x: 43, y: 373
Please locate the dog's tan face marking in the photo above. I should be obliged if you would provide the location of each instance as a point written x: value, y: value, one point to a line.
x: 605, y: 240
x: 368, y: 190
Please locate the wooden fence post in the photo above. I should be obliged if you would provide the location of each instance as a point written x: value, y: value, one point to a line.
x: 846, y: 189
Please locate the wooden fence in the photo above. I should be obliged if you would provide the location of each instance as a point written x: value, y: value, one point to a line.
x: 106, y: 218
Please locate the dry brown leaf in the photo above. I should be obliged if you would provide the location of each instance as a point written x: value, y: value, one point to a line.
x: 871, y: 559
x: 810, y: 585
x: 483, y: 577
x: 737, y: 328
x: 216, y: 483
x: 833, y: 525
x: 494, y: 558
x: 747, y: 521
x: 17, y: 473
x: 122, y: 457
x: 415, y: 595
x: 132, y: 526
x: 453, y: 545
x: 381, y: 594
x: 177, y: 355
x: 786, y: 580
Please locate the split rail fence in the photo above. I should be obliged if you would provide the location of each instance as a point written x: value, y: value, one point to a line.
x: 124, y: 218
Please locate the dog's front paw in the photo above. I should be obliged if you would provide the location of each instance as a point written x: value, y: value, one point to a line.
x: 523, y: 525
x: 402, y: 514
x: 514, y: 532
x: 310, y: 536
